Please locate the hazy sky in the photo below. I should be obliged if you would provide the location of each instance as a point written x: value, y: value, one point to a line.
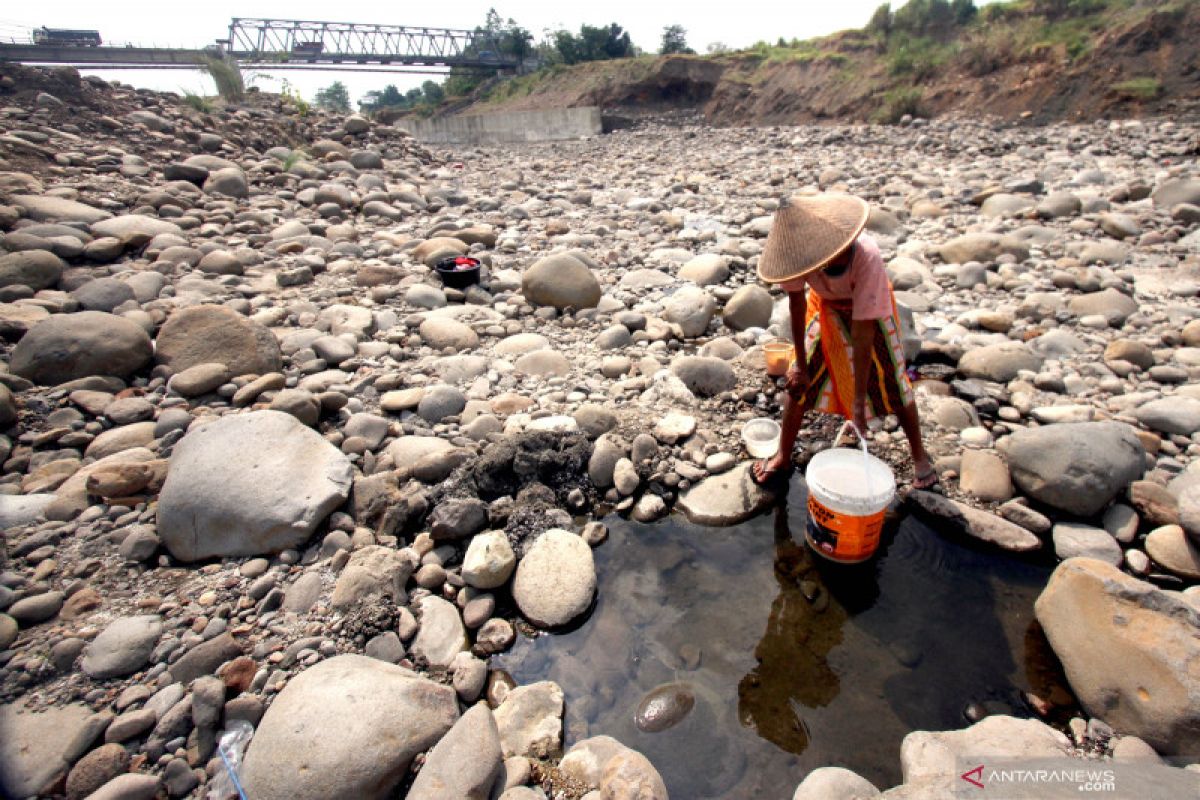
x: 195, y: 24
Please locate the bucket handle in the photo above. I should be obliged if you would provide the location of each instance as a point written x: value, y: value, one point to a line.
x: 862, y: 442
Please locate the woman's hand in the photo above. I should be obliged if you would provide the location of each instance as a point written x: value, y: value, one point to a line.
x: 796, y: 383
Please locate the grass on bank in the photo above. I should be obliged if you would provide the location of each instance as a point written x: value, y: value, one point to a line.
x: 1144, y: 88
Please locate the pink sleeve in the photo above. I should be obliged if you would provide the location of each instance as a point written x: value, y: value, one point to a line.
x: 871, y: 291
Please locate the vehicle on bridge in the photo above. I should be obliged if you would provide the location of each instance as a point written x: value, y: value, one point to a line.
x: 309, y: 50
x: 66, y: 37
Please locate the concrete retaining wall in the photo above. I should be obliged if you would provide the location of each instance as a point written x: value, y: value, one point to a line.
x: 512, y: 126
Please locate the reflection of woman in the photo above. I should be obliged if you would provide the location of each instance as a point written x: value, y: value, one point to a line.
x: 793, y: 672
x: 843, y: 311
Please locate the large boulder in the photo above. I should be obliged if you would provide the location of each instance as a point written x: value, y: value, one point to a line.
x: 726, y: 499
x: 561, y: 280
x: 66, y: 347
x: 37, y: 269
x: 249, y: 484
x: 982, y: 247
x: 36, y: 746
x: 1075, y: 467
x: 208, y: 334
x: 329, y: 733
x: 999, y: 362
x: 556, y: 579
x: 1130, y: 651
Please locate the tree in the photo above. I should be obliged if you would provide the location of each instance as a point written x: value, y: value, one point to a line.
x: 674, y: 40
x: 881, y: 20
x: 432, y: 92
x: 964, y: 11
x: 334, y: 97
x: 388, y: 97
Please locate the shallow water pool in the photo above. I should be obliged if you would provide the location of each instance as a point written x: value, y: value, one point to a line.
x: 794, y: 663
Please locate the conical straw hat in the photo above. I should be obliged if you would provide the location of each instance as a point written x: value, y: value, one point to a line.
x: 807, y: 232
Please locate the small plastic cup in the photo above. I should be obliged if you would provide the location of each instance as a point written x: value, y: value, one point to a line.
x: 779, y: 354
x: 761, y: 437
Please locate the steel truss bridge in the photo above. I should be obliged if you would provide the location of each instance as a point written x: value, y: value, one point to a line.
x: 292, y: 44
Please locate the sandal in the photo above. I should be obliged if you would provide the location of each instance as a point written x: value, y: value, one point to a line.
x: 925, y: 481
x: 767, y: 477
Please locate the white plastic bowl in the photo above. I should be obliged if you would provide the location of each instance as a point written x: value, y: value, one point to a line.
x: 761, y: 437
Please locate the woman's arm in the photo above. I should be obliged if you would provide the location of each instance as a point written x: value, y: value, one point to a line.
x: 862, y: 336
x: 797, y: 377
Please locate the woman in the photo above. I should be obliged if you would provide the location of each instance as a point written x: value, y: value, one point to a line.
x: 844, y: 312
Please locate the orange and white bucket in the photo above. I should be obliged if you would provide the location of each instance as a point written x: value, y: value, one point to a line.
x: 848, y: 493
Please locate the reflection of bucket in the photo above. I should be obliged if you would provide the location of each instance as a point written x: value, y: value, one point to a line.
x: 779, y: 354
x: 848, y: 492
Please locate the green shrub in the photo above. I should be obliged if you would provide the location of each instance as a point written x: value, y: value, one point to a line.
x: 227, y: 76
x: 899, y: 102
x: 919, y: 59
x: 1144, y: 88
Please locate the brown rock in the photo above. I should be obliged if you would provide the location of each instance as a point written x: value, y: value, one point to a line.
x: 80, y: 604
x: 1154, y: 503
x: 1170, y: 548
x: 96, y: 769
x: 238, y: 674
x: 120, y: 480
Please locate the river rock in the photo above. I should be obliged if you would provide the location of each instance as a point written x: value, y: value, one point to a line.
x: 1075, y: 467
x: 1113, y: 305
x: 663, y: 707
x: 1173, y: 192
x: 629, y: 775
x: 999, y: 362
x: 130, y: 786
x: 135, y: 229
x: 373, y: 571
x: 556, y: 580
x: 293, y: 757
x: 123, y: 647
x: 561, y: 280
x: 67, y: 347
x: 1177, y: 414
x: 704, y: 376
x: 249, y: 484
x: 465, y: 763
x: 706, y: 269
x: 489, y: 561
x: 691, y: 308
x: 530, y: 721
x: 37, y: 269
x: 984, y: 475
x: 49, y: 208
x: 976, y: 523
x: 441, y: 636
x: 726, y: 499
x: 442, y: 333
x: 1072, y: 540
x: 750, y: 307
x: 1171, y: 549
x: 932, y: 761
x: 34, y: 747
x: 207, y: 334
x: 982, y: 247
x: 835, y: 783
x: 1134, y: 675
